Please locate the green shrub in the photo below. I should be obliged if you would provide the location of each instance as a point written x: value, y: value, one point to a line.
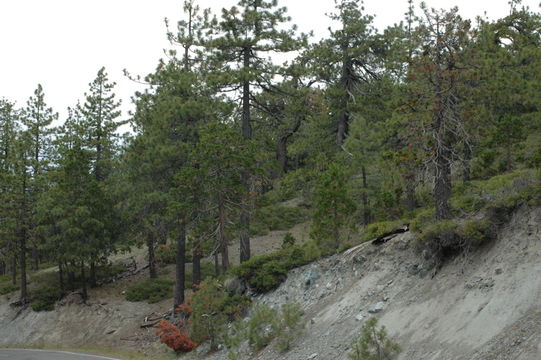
x: 467, y: 203
x: 266, y: 272
x: 423, y: 218
x: 377, y: 229
x: 272, y: 218
x: 208, y: 320
x: 288, y: 241
x: 8, y: 288
x: 151, y: 290
x: 442, y: 231
x: 373, y: 344
x: 262, y: 327
x: 45, y: 297
x: 289, y: 326
x: 476, y: 231
x: 165, y: 254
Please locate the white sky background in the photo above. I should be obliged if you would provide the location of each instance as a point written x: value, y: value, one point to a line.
x: 63, y: 43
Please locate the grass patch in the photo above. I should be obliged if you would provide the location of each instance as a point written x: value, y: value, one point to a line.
x: 150, y: 290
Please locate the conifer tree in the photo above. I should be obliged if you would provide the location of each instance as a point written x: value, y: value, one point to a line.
x: 240, y: 45
x: 37, y: 118
x: 333, y: 208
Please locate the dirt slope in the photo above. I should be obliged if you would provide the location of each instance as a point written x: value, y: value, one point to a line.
x: 483, y: 306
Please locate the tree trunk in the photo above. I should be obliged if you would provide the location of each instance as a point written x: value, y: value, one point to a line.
x: 346, y: 82
x: 14, y: 270
x: 281, y: 153
x: 216, y: 264
x: 180, y: 267
x: 151, y: 258
x: 466, y: 176
x: 281, y: 150
x: 83, y: 279
x: 196, y: 264
x: 2, y: 267
x: 35, y: 257
x: 22, y: 266
x: 92, y: 274
x: 61, y: 276
x: 442, y: 187
x: 223, y: 237
x: 366, y: 205
x: 247, y: 134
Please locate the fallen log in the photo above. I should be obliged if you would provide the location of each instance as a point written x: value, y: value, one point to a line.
x: 390, y: 235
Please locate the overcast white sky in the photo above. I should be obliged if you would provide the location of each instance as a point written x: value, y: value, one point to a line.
x: 62, y: 43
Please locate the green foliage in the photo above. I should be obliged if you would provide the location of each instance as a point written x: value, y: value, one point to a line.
x: 266, y: 272
x: 272, y: 218
x: 289, y: 326
x: 288, y: 241
x: 151, y: 290
x: 8, y: 288
x: 165, y: 254
x: 333, y: 208
x: 261, y: 327
x: 442, y: 232
x: 207, y: 320
x: 373, y: 344
x: 374, y: 230
x: 45, y: 297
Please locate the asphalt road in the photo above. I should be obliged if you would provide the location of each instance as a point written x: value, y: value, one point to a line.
x: 19, y: 354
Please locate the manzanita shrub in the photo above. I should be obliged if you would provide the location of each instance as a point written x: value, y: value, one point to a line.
x: 171, y: 336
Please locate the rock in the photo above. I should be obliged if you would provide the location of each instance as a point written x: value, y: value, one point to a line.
x: 377, y: 307
x: 359, y: 259
x: 498, y: 271
x: 415, y: 269
x: 359, y: 316
x: 235, y: 286
x: 402, y: 245
x: 328, y: 286
x: 311, y: 277
x: 386, y: 298
x: 311, y: 357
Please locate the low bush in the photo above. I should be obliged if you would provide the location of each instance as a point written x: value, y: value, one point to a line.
x: 289, y: 327
x: 45, y: 297
x: 207, y: 320
x: 261, y: 327
x: 165, y: 254
x: 272, y: 218
x: 377, y: 229
x: 373, y: 344
x: 266, y: 272
x: 8, y: 288
x: 151, y: 290
x: 171, y: 336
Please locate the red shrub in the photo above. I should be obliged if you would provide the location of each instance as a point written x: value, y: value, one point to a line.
x: 184, y: 309
x: 171, y: 336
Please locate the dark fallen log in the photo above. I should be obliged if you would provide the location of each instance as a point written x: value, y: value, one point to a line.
x: 390, y: 235
x: 149, y: 324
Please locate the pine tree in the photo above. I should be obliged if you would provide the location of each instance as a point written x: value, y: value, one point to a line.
x: 333, y: 208
x: 241, y: 41
x: 37, y: 119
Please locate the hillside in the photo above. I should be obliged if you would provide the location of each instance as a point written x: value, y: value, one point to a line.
x: 481, y: 306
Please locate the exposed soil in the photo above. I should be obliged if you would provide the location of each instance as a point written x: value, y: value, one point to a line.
x: 486, y: 305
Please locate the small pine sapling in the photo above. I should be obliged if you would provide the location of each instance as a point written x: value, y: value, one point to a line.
x: 373, y: 344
